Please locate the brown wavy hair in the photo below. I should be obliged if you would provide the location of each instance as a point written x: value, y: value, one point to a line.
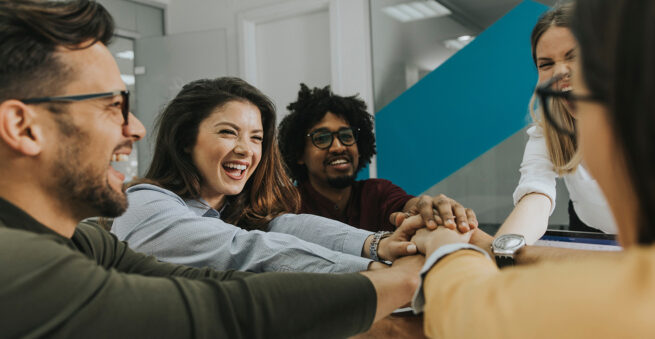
x: 267, y: 194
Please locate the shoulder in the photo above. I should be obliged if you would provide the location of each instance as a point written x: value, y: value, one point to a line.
x: 377, y: 184
x: 535, y: 131
x: 23, y: 251
x: 144, y: 193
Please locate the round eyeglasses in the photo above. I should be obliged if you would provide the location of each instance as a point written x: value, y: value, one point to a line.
x: 322, y: 138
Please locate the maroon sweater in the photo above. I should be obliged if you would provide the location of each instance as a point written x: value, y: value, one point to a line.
x: 371, y: 203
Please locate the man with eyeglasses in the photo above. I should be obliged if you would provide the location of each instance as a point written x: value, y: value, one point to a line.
x: 64, y: 117
x: 325, y: 141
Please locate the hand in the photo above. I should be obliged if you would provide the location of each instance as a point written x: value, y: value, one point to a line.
x: 444, y: 236
x: 420, y: 239
x: 481, y: 239
x: 436, y: 211
x: 399, y: 244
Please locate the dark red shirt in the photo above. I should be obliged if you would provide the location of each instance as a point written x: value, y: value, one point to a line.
x: 371, y: 203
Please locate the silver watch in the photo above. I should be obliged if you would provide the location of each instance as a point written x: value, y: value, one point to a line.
x: 505, y: 247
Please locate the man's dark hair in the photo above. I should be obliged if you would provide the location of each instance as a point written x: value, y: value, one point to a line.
x: 30, y: 33
x: 617, y: 40
x: 308, y: 110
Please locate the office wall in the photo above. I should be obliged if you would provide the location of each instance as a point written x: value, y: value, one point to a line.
x: 487, y: 182
x: 341, y: 50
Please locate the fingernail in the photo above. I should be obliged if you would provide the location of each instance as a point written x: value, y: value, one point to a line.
x: 411, y: 248
x: 450, y: 222
x: 431, y: 223
x: 465, y: 224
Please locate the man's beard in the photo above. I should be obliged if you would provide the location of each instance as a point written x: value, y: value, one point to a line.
x: 341, y: 182
x: 82, y: 186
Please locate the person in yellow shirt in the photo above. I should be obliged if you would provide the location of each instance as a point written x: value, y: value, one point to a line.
x: 464, y: 295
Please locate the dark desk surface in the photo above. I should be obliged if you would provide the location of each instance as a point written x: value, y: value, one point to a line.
x: 404, y: 325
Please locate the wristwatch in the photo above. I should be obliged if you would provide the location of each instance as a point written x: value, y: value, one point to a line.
x: 505, y: 247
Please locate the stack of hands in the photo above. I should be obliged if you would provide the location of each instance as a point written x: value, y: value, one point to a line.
x: 431, y: 223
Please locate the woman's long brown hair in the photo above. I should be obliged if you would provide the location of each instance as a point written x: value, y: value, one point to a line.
x: 266, y: 195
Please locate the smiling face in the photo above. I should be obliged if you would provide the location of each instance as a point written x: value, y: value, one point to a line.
x: 335, y: 166
x: 228, y: 149
x: 556, y: 52
x: 88, y: 135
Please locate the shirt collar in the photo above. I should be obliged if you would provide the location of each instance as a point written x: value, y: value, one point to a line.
x: 14, y: 217
x: 202, y: 209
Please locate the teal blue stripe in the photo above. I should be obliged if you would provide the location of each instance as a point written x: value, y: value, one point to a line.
x: 471, y: 103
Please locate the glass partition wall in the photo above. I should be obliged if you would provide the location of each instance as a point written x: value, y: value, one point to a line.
x: 412, y: 38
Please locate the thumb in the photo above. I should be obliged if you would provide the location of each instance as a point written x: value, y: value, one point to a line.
x: 399, y: 249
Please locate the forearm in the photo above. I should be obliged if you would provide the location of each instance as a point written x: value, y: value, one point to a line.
x: 464, y: 289
x: 529, y: 218
x: 394, y: 288
x: 534, y: 254
x: 328, y: 233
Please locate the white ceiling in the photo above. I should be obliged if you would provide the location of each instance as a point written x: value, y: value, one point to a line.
x: 480, y: 14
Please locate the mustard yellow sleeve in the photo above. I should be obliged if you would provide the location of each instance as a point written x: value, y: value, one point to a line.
x: 468, y: 297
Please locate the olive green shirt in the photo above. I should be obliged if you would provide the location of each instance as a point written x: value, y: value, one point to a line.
x: 94, y: 286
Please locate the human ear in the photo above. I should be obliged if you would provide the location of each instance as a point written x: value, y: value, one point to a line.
x: 19, y: 129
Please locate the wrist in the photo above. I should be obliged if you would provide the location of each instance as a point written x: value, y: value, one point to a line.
x: 375, y: 246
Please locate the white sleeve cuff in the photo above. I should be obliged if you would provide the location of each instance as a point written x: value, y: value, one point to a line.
x: 418, y: 302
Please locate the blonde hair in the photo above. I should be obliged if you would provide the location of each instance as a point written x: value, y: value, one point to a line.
x: 562, y: 149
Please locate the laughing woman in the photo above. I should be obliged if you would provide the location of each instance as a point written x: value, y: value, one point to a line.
x: 466, y: 296
x: 549, y: 154
x: 216, y: 194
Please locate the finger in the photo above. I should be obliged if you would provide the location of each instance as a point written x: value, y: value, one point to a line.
x: 446, y: 211
x: 397, y: 218
x: 409, y: 227
x: 399, y: 249
x: 425, y: 209
x: 438, y: 219
x: 462, y: 220
x: 473, y: 219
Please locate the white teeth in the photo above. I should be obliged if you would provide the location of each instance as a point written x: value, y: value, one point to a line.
x: 119, y: 157
x: 236, y: 166
x: 338, y: 162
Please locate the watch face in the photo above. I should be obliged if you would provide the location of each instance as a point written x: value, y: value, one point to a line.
x: 508, y: 243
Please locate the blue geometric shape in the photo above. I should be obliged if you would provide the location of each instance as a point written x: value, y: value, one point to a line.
x: 468, y: 105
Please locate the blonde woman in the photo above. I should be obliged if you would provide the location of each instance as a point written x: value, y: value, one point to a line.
x: 549, y: 154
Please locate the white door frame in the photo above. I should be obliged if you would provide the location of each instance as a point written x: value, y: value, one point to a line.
x: 350, y: 43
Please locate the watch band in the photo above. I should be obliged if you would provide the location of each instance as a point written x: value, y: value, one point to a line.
x: 375, y: 243
x: 504, y: 261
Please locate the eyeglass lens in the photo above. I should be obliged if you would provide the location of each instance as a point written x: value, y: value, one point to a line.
x: 324, y: 139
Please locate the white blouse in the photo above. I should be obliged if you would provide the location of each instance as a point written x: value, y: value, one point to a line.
x: 538, y: 176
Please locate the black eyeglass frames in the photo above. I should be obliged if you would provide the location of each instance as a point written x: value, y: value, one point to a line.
x: 323, y: 139
x: 547, y: 95
x: 125, y: 104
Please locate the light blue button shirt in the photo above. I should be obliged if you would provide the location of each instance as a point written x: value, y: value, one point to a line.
x: 160, y: 223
